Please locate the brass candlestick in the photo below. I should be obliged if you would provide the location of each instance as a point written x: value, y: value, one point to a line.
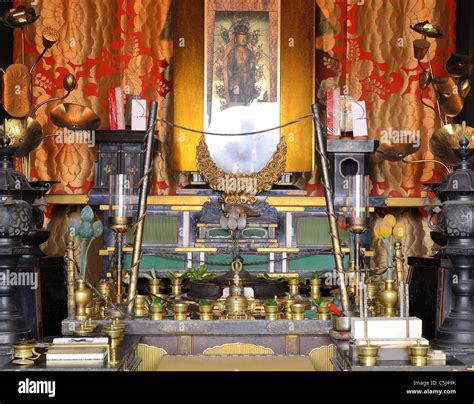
x: 315, y: 288
x: 70, y: 262
x: 176, y: 287
x: 294, y: 286
x: 115, y: 336
x: 120, y: 221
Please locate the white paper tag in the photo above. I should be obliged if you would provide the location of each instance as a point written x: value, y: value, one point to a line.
x: 138, y: 114
x: 359, y: 119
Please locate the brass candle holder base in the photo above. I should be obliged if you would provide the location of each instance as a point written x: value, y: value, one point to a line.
x: 180, y: 311
x: 205, y: 312
x: 298, y: 311
x: 419, y: 360
x: 324, y: 313
x: 419, y: 354
x: 272, y: 312
x: 24, y: 353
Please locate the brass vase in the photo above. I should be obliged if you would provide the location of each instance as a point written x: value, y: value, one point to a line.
x: 272, y: 312
x: 106, y: 289
x: 82, y: 297
x: 156, y: 312
x: 315, y: 285
x: 205, y: 312
x: 141, y: 303
x: 294, y: 286
x: 389, y: 298
x: 297, y: 311
x: 154, y: 287
x: 287, y: 303
x: 176, y: 287
x: 180, y: 310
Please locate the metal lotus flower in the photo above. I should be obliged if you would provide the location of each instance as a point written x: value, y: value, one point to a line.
x: 445, y: 140
x: 25, y: 134
x: 427, y: 29
x: 19, y: 17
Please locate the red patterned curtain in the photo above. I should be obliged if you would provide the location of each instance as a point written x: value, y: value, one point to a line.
x: 106, y: 43
x: 367, y: 45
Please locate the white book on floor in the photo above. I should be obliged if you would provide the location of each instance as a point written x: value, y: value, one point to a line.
x: 80, y: 340
x: 77, y: 354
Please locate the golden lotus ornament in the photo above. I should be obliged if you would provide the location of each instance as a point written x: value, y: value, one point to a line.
x: 19, y: 17
x: 459, y: 65
x: 25, y: 134
x: 75, y: 117
x: 449, y: 97
x: 445, y: 139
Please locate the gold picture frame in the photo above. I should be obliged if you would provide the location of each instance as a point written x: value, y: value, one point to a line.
x: 296, y: 78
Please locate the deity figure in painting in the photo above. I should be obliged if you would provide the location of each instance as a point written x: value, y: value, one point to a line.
x: 241, y: 69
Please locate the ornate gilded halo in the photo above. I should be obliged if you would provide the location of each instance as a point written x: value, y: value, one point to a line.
x: 240, y: 188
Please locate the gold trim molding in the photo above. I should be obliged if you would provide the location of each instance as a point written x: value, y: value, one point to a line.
x: 231, y: 184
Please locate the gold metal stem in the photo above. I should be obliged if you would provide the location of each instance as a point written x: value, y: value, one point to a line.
x: 33, y: 112
x: 437, y: 100
x: 333, y: 230
x: 448, y: 169
x: 23, y: 45
x: 142, y: 205
x: 70, y: 280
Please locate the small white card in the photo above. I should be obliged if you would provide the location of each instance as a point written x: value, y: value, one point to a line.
x: 359, y: 119
x: 138, y: 114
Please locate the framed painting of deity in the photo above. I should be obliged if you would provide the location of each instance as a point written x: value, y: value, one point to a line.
x: 244, y: 66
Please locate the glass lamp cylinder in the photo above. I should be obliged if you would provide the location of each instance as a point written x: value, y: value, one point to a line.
x: 358, y: 203
x: 120, y: 201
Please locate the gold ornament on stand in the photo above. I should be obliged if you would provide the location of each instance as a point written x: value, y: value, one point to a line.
x: 236, y: 304
x: 82, y: 297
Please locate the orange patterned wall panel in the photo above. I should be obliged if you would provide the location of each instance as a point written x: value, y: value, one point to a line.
x: 106, y: 43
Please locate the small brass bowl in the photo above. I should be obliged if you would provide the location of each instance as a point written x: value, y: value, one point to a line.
x: 24, y: 351
x: 368, y: 354
x: 419, y: 350
x: 298, y: 311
